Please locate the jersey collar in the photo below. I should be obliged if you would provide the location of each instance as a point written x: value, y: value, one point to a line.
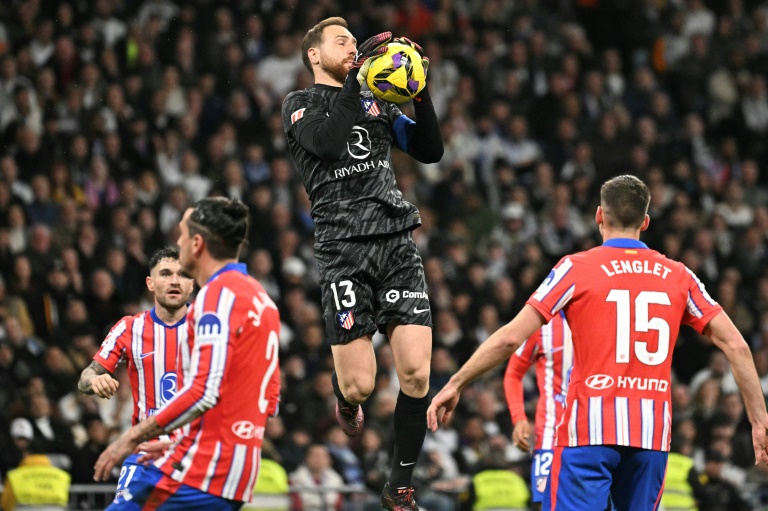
x: 239, y: 267
x: 156, y: 319
x: 624, y: 243
x: 322, y: 86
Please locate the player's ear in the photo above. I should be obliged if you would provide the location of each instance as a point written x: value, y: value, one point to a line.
x: 150, y: 284
x: 314, y: 55
x: 198, y: 243
x: 646, y: 222
x: 599, y: 215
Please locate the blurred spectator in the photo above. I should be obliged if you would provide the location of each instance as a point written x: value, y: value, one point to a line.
x: 495, y: 486
x: 682, y: 487
x: 86, y: 456
x: 316, y: 473
x: 374, y: 458
x: 35, y: 483
x: 718, y: 493
x: 53, y: 434
x: 278, y: 71
x: 345, y: 462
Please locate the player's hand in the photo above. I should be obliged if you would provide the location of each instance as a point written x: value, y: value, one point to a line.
x: 442, y: 406
x: 104, y: 385
x: 113, y: 455
x: 418, y: 48
x: 759, y: 442
x: 521, y: 435
x: 367, y: 51
x: 152, y: 450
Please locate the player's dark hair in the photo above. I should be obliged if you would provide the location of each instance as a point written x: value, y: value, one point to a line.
x: 314, y: 37
x: 163, y: 253
x: 625, y: 201
x: 222, y: 223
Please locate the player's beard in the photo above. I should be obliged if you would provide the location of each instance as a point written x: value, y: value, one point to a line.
x: 337, y: 70
x: 171, y: 305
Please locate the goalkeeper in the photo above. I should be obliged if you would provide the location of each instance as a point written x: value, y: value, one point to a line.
x: 372, y: 274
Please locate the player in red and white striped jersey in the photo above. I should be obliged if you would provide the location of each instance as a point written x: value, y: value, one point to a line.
x: 625, y: 304
x: 228, y: 387
x: 550, y: 348
x: 149, y: 342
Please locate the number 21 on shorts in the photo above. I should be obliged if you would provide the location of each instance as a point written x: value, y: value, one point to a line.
x: 348, y: 298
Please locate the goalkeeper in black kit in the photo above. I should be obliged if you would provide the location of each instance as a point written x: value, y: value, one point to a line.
x: 372, y: 274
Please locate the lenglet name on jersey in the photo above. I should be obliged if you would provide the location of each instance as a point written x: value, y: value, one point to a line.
x: 624, y: 266
x: 360, y: 167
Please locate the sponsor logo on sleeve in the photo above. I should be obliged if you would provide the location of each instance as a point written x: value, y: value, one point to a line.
x: 208, y: 329
x: 553, y: 279
x: 298, y: 114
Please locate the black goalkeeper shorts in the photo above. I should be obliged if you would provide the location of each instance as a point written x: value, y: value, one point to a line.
x: 368, y: 283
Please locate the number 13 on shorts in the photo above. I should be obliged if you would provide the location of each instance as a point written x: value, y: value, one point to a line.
x: 344, y: 288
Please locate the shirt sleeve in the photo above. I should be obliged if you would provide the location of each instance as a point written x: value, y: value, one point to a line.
x: 556, y: 291
x: 700, y: 308
x: 518, y: 365
x: 114, y: 344
x: 321, y: 131
x: 273, y: 393
x: 208, y: 360
x: 298, y: 108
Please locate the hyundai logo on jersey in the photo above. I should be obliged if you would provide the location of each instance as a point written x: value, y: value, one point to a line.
x: 599, y: 381
x: 247, y: 430
x: 208, y: 329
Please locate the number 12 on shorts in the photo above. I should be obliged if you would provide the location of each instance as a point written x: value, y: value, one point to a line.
x: 348, y: 299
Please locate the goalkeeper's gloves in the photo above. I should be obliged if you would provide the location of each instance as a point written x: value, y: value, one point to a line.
x: 418, y: 48
x: 370, y: 49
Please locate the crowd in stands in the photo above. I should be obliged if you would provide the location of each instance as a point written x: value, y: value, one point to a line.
x: 115, y: 115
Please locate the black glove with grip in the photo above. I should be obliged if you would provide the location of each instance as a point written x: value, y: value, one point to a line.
x: 418, y: 48
x: 370, y: 49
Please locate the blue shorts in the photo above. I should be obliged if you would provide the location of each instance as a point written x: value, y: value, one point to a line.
x: 540, y: 467
x: 131, y: 468
x: 151, y: 490
x: 585, y: 477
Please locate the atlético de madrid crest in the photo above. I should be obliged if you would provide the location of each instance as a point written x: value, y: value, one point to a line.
x: 346, y: 319
x: 370, y: 106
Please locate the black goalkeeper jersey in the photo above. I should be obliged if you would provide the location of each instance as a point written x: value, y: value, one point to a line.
x: 354, y: 192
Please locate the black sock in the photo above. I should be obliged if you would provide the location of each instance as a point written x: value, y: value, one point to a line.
x: 337, y: 391
x: 410, y: 429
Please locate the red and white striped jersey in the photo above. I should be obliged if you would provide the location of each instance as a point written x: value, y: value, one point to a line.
x: 550, y: 348
x: 625, y: 304
x: 150, y: 348
x: 230, y: 383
